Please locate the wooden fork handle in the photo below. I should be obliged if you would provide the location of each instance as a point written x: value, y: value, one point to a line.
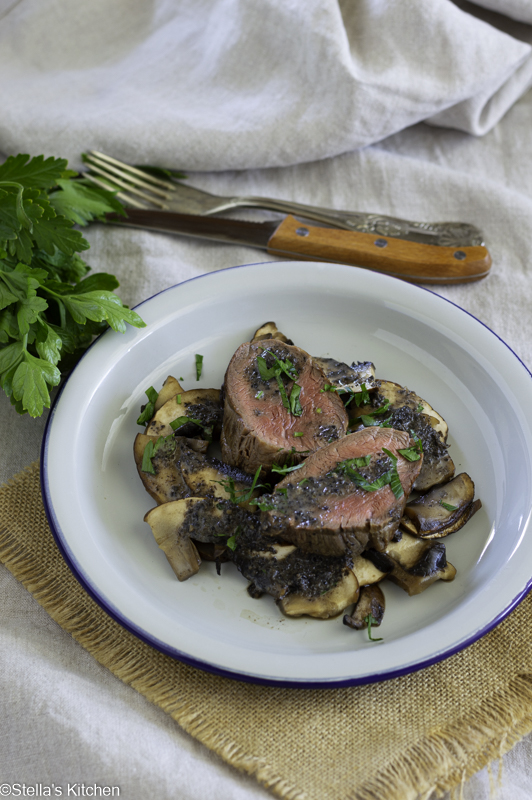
x: 411, y: 261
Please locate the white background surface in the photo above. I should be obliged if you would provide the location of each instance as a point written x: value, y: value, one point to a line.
x: 65, y: 718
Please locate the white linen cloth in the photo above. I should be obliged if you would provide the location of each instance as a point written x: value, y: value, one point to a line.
x: 232, y: 84
x: 272, y: 98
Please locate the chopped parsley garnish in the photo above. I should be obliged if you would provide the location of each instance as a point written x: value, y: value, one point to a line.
x: 362, y: 398
x: 395, y: 482
x: 259, y: 395
x: 448, y: 506
x: 282, y: 367
x: 262, y: 505
x: 415, y: 452
x: 199, y: 366
x: 350, y: 467
x: 231, y: 542
x: 147, y: 456
x: 150, y: 450
x: 318, y: 411
x: 330, y: 387
x: 230, y: 488
x: 175, y: 424
x: 370, y: 419
x: 370, y: 620
x: 149, y: 409
x: 298, y: 433
x: 295, y: 405
x: 285, y: 470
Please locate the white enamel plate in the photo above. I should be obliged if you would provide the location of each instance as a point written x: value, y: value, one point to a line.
x: 96, y: 502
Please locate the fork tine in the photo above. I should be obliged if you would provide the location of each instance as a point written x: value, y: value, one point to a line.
x: 121, y: 196
x: 129, y: 187
x: 123, y: 172
x: 145, y: 176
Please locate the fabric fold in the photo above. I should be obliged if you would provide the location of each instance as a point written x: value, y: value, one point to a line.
x: 231, y: 84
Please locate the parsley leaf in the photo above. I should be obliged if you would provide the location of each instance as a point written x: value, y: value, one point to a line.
x: 231, y: 542
x: 179, y: 422
x: 350, y: 469
x: 280, y: 368
x: 285, y: 470
x: 370, y: 620
x: 370, y: 419
x: 149, y: 409
x: 50, y: 310
x: 230, y: 488
x: 362, y: 398
x: 395, y: 481
x: 448, y: 506
x: 199, y: 366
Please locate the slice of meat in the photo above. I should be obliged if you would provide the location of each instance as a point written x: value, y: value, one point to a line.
x: 321, y: 507
x: 258, y: 430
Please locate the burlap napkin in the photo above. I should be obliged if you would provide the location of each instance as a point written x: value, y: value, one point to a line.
x: 400, y: 739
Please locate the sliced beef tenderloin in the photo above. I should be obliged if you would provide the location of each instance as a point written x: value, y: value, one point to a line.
x: 276, y: 407
x: 325, y: 506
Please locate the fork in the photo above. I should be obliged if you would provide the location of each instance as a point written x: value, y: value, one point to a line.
x: 140, y: 189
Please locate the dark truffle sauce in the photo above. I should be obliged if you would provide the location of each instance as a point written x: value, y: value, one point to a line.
x: 406, y: 419
x: 255, y: 556
x: 306, y: 573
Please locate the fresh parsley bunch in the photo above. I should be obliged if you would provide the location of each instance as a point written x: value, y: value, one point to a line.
x: 50, y: 308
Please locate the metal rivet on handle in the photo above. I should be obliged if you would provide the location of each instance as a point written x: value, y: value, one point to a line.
x: 460, y: 255
x: 302, y: 231
x: 380, y: 242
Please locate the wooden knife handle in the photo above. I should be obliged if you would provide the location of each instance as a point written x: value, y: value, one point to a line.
x: 411, y: 261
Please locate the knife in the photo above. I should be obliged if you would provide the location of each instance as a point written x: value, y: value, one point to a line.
x: 412, y: 261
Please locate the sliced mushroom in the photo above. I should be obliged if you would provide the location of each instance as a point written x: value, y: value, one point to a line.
x: 212, y: 551
x: 352, y: 378
x: 366, y: 571
x: 182, y: 469
x: 399, y: 397
x: 264, y: 569
x: 407, y: 525
x: 169, y: 389
x: 371, y: 603
x: 167, y: 482
x: 199, y: 404
x: 406, y: 411
x: 270, y: 331
x: 210, y: 477
x: 202, y: 519
x: 329, y: 604
x: 166, y: 523
x: 413, y: 564
x: 445, y: 509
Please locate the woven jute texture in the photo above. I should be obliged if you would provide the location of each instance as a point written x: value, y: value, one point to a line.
x: 402, y: 739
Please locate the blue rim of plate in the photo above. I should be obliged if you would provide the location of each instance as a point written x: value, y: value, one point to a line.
x: 205, y: 666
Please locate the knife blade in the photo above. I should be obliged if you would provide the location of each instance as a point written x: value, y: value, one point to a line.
x: 289, y: 238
